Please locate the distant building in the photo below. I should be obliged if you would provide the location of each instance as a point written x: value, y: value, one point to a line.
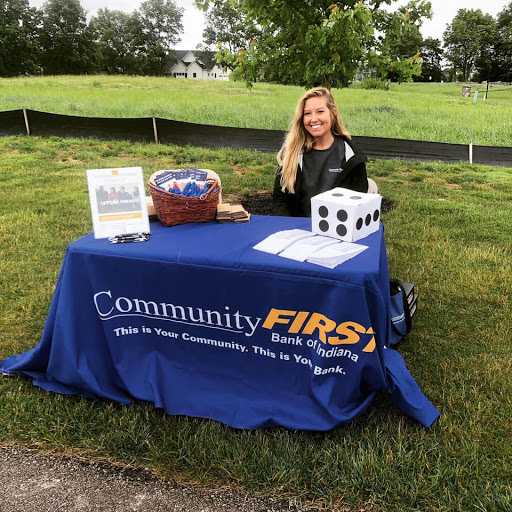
x: 190, y: 65
x: 363, y: 74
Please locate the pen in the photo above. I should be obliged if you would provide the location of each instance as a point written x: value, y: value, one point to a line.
x: 132, y: 237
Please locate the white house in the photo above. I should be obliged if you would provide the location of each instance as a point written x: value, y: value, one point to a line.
x: 190, y: 66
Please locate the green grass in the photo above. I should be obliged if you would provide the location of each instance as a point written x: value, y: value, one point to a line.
x: 430, y: 112
x: 449, y: 233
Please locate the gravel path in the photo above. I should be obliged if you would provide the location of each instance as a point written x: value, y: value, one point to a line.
x: 31, y: 482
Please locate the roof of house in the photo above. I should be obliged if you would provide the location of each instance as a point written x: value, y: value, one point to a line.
x: 181, y: 54
x: 205, y: 59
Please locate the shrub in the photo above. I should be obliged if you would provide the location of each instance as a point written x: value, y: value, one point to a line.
x: 375, y: 83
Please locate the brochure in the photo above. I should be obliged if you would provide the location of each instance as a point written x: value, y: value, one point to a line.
x: 301, y: 250
x: 279, y: 241
x: 169, y: 180
x: 335, y: 254
x: 117, y: 201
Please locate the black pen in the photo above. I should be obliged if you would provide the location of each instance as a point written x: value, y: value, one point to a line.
x: 132, y: 237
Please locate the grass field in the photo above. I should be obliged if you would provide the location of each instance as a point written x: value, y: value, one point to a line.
x: 449, y: 233
x: 430, y: 112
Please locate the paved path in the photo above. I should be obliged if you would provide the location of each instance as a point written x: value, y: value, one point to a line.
x: 30, y: 482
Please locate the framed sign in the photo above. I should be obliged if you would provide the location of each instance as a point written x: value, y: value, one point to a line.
x: 118, y: 204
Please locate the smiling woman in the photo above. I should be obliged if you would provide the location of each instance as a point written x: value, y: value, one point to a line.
x: 318, y: 154
x: 317, y: 119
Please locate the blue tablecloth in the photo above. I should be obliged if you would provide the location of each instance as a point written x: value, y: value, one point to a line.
x: 199, y: 323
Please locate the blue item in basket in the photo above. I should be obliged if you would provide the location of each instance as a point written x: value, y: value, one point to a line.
x: 191, y: 189
x: 180, y: 174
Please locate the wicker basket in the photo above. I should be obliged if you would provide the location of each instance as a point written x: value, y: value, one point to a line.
x: 173, y: 209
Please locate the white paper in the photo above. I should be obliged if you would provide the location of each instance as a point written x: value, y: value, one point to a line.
x: 279, y: 241
x: 301, y: 250
x: 333, y: 255
x: 117, y: 199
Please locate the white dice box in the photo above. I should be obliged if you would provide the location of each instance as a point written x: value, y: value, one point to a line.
x: 344, y: 214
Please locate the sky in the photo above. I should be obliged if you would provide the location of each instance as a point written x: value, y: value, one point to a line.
x: 193, y: 19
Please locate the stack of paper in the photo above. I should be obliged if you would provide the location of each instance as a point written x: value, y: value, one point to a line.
x: 301, y: 245
x: 227, y: 212
x: 335, y: 254
x: 279, y: 241
x: 303, y: 249
x: 188, y: 182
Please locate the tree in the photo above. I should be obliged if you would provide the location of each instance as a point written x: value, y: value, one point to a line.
x: 227, y: 27
x: 431, y: 60
x: 407, y: 44
x: 314, y: 42
x: 114, y: 35
x: 470, y: 36
x: 401, y: 44
x: 19, y: 45
x: 397, y: 50
x: 157, y: 28
x: 67, y: 43
x: 504, y: 44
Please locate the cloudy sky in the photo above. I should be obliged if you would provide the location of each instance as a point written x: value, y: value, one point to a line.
x: 193, y: 19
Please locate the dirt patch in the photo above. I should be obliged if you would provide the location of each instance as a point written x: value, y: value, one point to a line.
x: 387, y: 205
x: 258, y: 204
x: 261, y: 203
x: 483, y: 186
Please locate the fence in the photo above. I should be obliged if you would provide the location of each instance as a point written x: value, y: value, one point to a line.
x: 165, y: 131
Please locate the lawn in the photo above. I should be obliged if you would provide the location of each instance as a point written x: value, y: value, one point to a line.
x: 431, y: 112
x: 449, y: 232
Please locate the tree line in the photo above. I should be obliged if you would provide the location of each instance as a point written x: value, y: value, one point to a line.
x: 325, y: 42
x: 57, y: 39
x: 308, y: 43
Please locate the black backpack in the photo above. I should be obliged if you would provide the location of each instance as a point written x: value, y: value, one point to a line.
x: 404, y: 302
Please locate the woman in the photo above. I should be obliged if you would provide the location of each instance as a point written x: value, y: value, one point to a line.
x: 112, y: 195
x: 317, y: 155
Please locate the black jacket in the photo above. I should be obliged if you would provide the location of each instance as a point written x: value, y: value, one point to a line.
x: 352, y: 177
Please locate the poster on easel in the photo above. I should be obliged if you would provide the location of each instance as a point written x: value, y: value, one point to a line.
x: 117, y: 199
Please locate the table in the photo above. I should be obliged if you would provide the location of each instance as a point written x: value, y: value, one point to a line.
x: 199, y: 323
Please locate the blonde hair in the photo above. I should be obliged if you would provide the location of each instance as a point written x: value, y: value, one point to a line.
x: 298, y: 139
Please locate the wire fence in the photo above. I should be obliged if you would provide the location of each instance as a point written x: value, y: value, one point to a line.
x: 165, y: 131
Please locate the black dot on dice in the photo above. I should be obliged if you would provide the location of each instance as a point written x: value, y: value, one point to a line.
x: 324, y: 225
x: 359, y: 223
x: 341, y: 230
x: 376, y: 214
x: 323, y: 211
x: 337, y: 194
x: 342, y: 215
x: 355, y: 197
x: 368, y: 219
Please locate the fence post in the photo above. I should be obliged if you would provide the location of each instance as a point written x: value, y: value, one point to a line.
x: 471, y: 152
x: 155, y: 131
x: 27, y: 126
